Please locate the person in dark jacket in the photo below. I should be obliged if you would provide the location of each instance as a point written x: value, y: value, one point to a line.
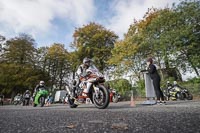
x: 156, y: 80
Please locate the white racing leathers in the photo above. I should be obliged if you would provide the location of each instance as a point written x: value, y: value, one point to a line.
x: 85, y: 85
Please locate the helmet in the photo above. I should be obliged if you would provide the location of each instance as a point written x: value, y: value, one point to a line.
x: 41, y: 83
x: 175, y: 83
x: 86, y: 61
x: 27, y: 91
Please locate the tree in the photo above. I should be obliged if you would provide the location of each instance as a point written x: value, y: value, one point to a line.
x: 94, y: 41
x: 17, y: 65
x: 58, y: 65
x: 187, y: 34
x: 2, y: 39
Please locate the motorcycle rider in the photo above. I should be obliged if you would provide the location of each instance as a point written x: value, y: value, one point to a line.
x: 26, y: 96
x: 175, y: 84
x: 82, y: 74
x: 40, y: 85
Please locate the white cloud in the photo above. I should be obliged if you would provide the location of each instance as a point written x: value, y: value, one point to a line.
x: 128, y: 10
x: 36, y: 16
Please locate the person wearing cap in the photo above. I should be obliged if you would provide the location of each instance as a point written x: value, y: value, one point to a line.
x: 156, y: 80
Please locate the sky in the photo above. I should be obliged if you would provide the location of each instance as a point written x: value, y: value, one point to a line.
x: 54, y: 21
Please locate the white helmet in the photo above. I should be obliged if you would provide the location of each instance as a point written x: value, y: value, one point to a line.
x: 41, y: 82
x: 175, y: 83
x: 87, y: 61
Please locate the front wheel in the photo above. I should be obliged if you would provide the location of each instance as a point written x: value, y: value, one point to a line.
x: 42, y: 101
x: 102, y: 100
x: 190, y: 97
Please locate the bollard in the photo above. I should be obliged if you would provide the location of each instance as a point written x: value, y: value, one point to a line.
x: 132, y: 101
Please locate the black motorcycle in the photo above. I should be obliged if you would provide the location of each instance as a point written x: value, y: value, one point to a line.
x: 173, y: 92
x: 176, y: 92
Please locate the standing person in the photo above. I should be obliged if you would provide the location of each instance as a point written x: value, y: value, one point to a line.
x: 156, y: 80
x: 49, y: 99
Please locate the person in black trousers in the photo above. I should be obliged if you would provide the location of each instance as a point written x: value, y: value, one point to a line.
x: 156, y: 80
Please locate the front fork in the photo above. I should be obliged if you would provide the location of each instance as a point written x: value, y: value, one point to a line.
x: 96, y: 90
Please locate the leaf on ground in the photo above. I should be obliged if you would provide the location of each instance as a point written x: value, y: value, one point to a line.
x: 71, y: 126
x: 119, y: 126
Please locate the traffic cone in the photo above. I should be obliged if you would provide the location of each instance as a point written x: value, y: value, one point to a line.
x: 132, y: 102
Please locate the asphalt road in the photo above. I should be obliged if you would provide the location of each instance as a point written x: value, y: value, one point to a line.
x: 175, y: 117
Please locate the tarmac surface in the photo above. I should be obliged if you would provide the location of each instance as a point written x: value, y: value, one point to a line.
x: 175, y: 117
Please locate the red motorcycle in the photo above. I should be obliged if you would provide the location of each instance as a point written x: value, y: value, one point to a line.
x: 98, y: 93
x: 114, y: 96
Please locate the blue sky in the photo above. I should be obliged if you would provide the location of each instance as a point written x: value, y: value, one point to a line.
x: 54, y: 21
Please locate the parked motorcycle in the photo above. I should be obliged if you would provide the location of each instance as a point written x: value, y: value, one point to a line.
x: 114, y: 96
x: 172, y: 92
x: 18, y: 99
x: 40, y: 97
x: 176, y: 92
x: 98, y: 93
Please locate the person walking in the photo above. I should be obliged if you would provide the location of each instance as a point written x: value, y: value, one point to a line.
x: 156, y: 81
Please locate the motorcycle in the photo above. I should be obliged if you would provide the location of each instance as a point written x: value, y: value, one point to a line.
x: 40, y: 97
x: 114, y: 96
x: 18, y: 100
x: 172, y: 92
x: 98, y: 93
x: 26, y: 99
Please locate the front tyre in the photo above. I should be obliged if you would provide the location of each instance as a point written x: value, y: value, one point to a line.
x: 190, y: 97
x: 42, y: 101
x: 102, y: 100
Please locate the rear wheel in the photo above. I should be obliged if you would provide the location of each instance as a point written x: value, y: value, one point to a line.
x: 102, y: 100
